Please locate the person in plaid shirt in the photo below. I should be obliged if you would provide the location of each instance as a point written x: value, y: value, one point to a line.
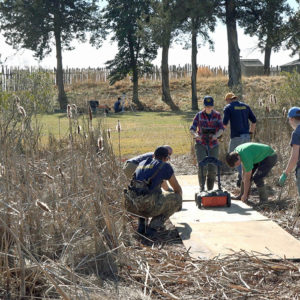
x: 207, y: 144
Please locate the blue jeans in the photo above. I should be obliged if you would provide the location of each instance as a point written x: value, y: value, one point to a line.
x: 236, y: 141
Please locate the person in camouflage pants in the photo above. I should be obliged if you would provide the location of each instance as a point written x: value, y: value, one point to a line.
x: 154, y: 204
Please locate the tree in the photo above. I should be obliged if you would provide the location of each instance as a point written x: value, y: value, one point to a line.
x: 265, y: 19
x: 228, y: 14
x: 201, y: 18
x: 128, y: 22
x: 164, y: 24
x: 33, y: 24
x: 292, y: 33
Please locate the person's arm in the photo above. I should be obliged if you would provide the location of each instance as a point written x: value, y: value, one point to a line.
x: 246, y: 180
x: 252, y: 127
x: 293, y: 159
x: 175, y: 185
x: 165, y: 185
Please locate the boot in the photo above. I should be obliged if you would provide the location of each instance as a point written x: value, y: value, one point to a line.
x: 141, y: 226
x: 210, y: 183
x: 263, y: 194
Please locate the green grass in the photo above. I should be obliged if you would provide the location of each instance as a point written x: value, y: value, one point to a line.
x: 140, y: 131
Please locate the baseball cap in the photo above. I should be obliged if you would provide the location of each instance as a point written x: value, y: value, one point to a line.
x: 230, y: 96
x: 294, y: 112
x: 208, y: 101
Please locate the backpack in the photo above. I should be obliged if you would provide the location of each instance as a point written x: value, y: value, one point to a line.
x: 142, y: 187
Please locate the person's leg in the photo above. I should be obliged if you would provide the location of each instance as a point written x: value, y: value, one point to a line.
x: 212, y: 169
x: 297, y: 206
x: 263, y: 169
x: 166, y: 205
x: 200, y: 151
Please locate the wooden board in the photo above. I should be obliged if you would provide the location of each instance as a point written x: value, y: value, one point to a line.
x: 211, y: 232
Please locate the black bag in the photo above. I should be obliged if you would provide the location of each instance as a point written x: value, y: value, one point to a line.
x: 142, y: 187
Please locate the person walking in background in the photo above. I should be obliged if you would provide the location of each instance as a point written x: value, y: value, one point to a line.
x: 206, y: 128
x: 238, y: 115
x: 294, y: 160
x: 257, y: 160
x: 132, y: 163
x: 152, y: 203
x: 117, y: 105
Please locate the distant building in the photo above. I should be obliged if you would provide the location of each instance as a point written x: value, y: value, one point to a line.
x: 252, y: 67
x: 291, y: 66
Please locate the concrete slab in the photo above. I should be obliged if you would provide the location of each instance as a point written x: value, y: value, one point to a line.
x: 211, y: 232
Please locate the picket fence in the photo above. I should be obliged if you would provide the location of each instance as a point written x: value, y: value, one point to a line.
x: 13, y: 78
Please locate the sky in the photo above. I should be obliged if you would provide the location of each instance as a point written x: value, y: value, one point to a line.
x: 85, y: 56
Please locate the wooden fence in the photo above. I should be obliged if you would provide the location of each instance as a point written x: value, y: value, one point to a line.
x: 13, y: 79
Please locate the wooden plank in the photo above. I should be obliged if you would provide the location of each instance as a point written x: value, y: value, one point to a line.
x: 211, y: 232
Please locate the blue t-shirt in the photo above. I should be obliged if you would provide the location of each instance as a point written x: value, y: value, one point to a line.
x: 138, y: 159
x: 295, y: 140
x: 238, y: 113
x: 148, y: 167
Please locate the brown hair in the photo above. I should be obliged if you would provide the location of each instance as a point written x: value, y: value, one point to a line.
x: 232, y: 158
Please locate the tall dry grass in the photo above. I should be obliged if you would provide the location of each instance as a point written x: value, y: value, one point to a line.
x: 61, y: 216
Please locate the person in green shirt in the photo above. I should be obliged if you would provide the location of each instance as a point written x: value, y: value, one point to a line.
x: 257, y: 160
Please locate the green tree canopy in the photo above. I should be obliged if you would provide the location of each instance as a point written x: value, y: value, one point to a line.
x: 36, y: 24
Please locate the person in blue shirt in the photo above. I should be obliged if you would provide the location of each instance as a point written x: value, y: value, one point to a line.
x: 238, y: 114
x: 154, y: 204
x: 118, y: 106
x: 132, y: 163
x: 294, y: 160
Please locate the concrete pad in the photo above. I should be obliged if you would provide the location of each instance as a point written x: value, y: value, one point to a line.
x: 211, y: 232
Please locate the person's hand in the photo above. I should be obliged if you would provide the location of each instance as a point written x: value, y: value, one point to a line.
x: 214, y: 137
x: 282, y: 179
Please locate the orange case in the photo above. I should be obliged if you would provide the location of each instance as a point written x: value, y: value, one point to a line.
x: 214, y: 201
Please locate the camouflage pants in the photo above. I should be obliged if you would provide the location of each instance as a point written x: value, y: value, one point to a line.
x: 158, y: 206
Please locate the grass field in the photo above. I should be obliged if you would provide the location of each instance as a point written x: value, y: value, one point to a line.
x: 140, y: 131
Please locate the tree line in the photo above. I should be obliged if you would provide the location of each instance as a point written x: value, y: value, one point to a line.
x: 141, y: 27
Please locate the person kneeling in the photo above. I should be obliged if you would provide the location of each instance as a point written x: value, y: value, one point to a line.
x: 257, y: 160
x: 144, y: 196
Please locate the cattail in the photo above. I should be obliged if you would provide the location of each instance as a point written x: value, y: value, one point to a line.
x: 108, y: 133
x: 267, y: 109
x: 78, y: 129
x: 47, y: 175
x: 74, y: 108
x: 61, y: 172
x: 284, y: 111
x: 2, y: 170
x: 274, y: 99
x: 100, y: 143
x: 118, y: 127
x: 21, y: 111
x: 42, y: 205
x: 90, y: 113
x: 17, y: 99
x: 69, y: 111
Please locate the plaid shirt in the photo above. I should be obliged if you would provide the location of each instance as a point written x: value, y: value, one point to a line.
x: 201, y: 120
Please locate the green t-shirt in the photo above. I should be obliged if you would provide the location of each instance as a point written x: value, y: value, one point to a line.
x: 253, y: 153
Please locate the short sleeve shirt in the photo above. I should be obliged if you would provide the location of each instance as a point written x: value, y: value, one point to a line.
x: 253, y: 153
x: 138, y: 159
x: 295, y: 140
x: 238, y: 114
x: 148, y: 167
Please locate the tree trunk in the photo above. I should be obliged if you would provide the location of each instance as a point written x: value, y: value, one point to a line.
x: 268, y: 50
x: 62, y: 98
x: 194, y: 66
x: 234, y: 64
x: 166, y: 96
x: 135, y: 88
